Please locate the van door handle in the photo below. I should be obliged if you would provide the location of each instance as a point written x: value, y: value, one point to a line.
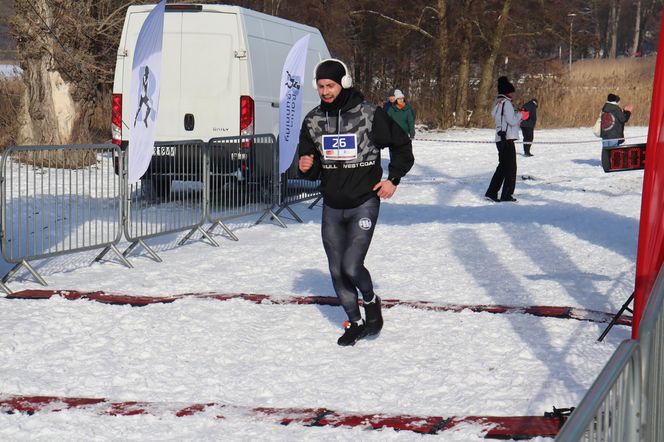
x: 189, y: 122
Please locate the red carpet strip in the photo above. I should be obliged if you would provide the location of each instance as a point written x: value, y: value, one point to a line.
x: 138, y: 301
x: 496, y: 427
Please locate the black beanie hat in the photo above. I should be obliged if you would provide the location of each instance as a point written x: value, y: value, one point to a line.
x: 504, y: 86
x: 330, y: 70
x: 613, y: 97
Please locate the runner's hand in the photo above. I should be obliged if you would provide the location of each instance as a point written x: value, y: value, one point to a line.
x: 385, y: 189
x: 305, y: 163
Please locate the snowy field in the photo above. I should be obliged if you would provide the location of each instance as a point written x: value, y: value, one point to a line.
x: 569, y: 241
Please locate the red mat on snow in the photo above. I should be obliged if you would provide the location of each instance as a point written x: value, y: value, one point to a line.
x: 496, y: 427
x: 547, y: 311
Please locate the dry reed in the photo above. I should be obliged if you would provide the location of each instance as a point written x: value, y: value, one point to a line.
x: 575, y: 99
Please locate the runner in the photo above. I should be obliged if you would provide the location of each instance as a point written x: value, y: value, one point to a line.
x: 340, y: 143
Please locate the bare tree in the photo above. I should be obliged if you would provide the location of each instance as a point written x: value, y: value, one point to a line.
x: 67, y: 51
x: 488, y: 68
x: 465, y: 22
x: 612, y: 28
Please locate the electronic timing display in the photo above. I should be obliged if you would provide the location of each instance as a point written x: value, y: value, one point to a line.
x: 626, y: 157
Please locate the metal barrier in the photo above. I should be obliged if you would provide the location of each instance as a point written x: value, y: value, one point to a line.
x: 610, y: 410
x: 57, y: 200
x: 651, y: 339
x: 294, y: 190
x: 243, y: 179
x: 626, y: 402
x: 170, y: 197
x: 64, y: 199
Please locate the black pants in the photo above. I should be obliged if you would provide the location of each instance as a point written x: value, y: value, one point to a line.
x: 347, y: 236
x: 505, y: 174
x: 528, y: 134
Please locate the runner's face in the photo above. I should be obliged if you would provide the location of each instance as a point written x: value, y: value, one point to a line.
x: 328, y: 90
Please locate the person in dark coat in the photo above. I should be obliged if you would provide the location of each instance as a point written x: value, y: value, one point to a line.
x: 613, y: 121
x: 340, y: 143
x: 390, y: 100
x: 528, y: 126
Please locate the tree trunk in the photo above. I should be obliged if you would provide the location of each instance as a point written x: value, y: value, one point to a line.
x: 599, y: 46
x: 612, y: 28
x: 445, y: 112
x: 487, y: 79
x: 59, y: 98
x: 464, y: 66
x: 637, y: 29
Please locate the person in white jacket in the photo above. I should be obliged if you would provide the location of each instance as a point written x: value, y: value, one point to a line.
x: 507, y: 130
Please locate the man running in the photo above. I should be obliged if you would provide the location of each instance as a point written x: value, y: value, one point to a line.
x: 340, y: 143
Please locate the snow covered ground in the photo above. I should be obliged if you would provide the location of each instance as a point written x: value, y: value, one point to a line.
x: 569, y: 241
x: 9, y: 71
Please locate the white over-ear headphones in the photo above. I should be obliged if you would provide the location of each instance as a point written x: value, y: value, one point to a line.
x: 346, y: 80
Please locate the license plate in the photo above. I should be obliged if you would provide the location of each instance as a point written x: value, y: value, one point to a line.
x: 165, y: 150
x: 238, y: 156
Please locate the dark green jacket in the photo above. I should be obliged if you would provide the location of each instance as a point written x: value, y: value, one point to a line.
x: 405, y: 118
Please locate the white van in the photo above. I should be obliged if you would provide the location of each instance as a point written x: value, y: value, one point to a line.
x: 220, y: 74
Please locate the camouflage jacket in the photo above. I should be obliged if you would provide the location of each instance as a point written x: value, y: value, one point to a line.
x: 347, y: 180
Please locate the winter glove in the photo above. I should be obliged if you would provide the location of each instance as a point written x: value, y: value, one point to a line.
x: 525, y: 115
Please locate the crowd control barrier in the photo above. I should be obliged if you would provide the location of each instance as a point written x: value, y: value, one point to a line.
x: 169, y: 197
x: 66, y: 199
x: 295, y: 189
x: 626, y: 402
x: 243, y: 179
x: 58, y: 200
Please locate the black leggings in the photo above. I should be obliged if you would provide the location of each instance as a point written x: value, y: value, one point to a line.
x: 347, y: 236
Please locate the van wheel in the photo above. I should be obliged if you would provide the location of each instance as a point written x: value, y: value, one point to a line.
x: 161, y: 188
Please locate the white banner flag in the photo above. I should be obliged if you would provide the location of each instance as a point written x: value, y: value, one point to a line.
x: 144, y: 98
x: 290, y: 102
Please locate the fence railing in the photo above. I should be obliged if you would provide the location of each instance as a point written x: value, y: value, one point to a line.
x: 295, y: 190
x: 610, y: 410
x: 651, y: 339
x: 170, y: 197
x: 244, y: 179
x: 67, y: 199
x: 626, y: 402
x: 58, y: 200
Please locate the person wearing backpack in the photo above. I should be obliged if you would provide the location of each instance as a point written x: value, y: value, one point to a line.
x: 613, y: 121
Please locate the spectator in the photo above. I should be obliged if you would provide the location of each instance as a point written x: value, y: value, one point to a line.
x: 403, y: 114
x: 390, y: 100
x: 507, y: 130
x: 613, y: 121
x: 528, y: 126
x: 340, y: 143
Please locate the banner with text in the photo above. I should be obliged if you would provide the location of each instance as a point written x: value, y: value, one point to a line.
x: 290, y: 102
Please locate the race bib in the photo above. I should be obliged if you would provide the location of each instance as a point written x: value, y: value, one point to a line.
x: 340, y: 147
